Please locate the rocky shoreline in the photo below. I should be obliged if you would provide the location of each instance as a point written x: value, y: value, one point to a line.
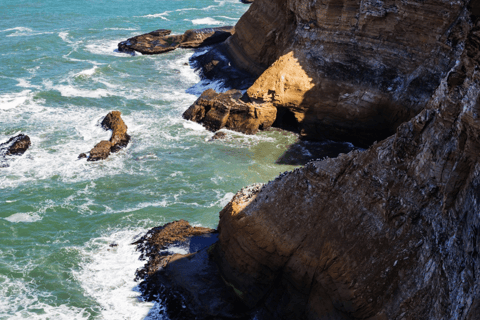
x: 391, y: 232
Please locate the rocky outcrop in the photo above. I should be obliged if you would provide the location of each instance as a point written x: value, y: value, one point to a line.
x: 350, y: 71
x: 185, y: 283
x: 226, y: 110
x: 119, y: 139
x: 160, y: 41
x: 388, y: 233
x: 14, y: 146
x: 391, y: 232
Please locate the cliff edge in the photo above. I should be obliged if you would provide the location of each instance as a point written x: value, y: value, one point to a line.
x: 350, y: 70
x: 388, y: 233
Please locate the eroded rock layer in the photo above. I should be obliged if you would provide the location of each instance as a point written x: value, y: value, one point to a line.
x: 160, y: 41
x: 365, y: 66
x: 388, y: 233
x: 226, y: 110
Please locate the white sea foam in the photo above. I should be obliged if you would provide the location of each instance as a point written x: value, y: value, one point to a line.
x: 105, y: 47
x: 157, y: 15
x: 24, y: 83
x: 41, y: 162
x: 64, y: 36
x: 71, y: 91
x: 225, y: 17
x: 13, y: 100
x: 21, y: 29
x: 209, y: 21
x: 21, y: 300
x: 87, y: 73
x: 23, y: 217
x: 107, y: 275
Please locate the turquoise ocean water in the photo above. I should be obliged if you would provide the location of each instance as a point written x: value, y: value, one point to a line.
x: 59, y: 76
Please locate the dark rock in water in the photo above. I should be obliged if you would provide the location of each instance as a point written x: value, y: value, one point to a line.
x: 217, y: 65
x: 219, y: 135
x: 101, y: 151
x: 226, y: 110
x: 82, y: 155
x: 119, y: 139
x: 113, y: 121
x: 247, y: 1
x: 161, y: 40
x: 187, y: 284
x: 15, y: 146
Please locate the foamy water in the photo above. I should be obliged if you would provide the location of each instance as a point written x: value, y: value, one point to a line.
x: 60, y: 75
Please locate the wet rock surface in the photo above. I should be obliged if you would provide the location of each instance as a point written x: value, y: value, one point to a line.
x: 15, y: 146
x: 160, y: 41
x: 226, y: 110
x: 217, y: 65
x: 119, y: 139
x: 188, y: 285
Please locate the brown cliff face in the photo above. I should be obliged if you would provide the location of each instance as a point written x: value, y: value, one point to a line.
x: 371, y: 64
x: 388, y: 233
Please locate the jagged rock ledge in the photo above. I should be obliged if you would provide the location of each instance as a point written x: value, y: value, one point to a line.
x: 160, y: 41
x: 188, y: 285
x: 119, y: 139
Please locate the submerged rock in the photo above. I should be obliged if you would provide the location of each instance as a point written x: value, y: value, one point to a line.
x: 119, y: 139
x: 15, y: 146
x: 160, y: 41
x: 226, y: 110
x: 219, y: 135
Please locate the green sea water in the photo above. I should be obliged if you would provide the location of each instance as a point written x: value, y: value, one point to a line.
x: 59, y: 76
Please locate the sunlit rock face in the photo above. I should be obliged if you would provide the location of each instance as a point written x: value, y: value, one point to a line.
x: 391, y: 232
x: 371, y: 64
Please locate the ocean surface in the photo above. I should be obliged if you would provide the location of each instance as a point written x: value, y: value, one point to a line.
x: 59, y: 76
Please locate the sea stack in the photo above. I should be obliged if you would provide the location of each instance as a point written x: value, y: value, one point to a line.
x: 119, y: 139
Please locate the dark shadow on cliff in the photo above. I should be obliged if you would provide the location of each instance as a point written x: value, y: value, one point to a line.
x: 303, y: 151
x: 217, y: 71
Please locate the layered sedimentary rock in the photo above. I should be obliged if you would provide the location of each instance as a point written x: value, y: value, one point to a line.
x: 226, y: 110
x: 160, y: 41
x: 351, y: 70
x: 392, y: 232
x: 119, y: 139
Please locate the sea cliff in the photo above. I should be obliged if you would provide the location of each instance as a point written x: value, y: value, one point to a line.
x: 391, y: 232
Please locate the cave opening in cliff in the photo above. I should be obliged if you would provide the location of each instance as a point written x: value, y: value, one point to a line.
x: 286, y: 120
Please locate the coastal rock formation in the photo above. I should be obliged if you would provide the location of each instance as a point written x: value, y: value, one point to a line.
x: 15, y: 146
x: 226, y: 110
x: 119, y: 139
x: 160, y: 41
x: 392, y: 232
x: 185, y: 283
x: 350, y: 71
